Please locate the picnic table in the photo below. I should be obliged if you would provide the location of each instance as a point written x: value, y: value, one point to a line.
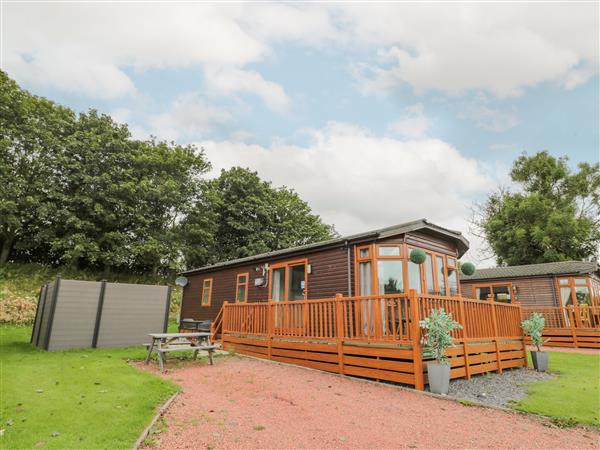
x: 169, y: 342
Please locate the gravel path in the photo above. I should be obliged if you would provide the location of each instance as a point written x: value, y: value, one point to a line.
x: 247, y: 403
x: 495, y: 389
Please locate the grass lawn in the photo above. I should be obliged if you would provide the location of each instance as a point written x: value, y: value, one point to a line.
x: 91, y: 398
x: 573, y: 397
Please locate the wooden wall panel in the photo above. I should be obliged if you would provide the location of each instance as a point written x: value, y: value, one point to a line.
x: 532, y: 291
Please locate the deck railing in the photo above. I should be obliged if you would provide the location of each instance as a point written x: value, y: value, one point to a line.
x: 376, y: 318
x: 567, y: 317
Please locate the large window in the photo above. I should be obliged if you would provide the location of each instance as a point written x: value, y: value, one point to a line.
x: 387, y: 269
x: 501, y: 291
x: 574, y: 290
x: 206, y: 292
x: 241, y: 291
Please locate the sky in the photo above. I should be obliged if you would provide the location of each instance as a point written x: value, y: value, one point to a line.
x: 375, y: 113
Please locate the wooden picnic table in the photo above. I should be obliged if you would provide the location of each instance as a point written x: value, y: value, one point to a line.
x: 168, y: 342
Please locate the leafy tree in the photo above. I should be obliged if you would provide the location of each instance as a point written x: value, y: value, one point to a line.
x: 554, y: 217
x: 33, y: 132
x: 241, y: 215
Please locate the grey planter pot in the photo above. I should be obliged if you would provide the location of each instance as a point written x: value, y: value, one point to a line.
x: 439, y: 377
x: 540, y: 361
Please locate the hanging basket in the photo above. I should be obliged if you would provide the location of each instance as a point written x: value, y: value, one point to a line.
x: 417, y: 256
x: 467, y: 268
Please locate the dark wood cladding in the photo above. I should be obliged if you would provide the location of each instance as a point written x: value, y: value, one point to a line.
x: 328, y: 277
x: 531, y: 291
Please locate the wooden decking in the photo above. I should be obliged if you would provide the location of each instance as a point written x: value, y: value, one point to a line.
x: 375, y: 337
x: 569, y: 326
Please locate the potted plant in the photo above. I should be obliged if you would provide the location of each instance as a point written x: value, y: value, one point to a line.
x: 439, y: 325
x: 534, y: 327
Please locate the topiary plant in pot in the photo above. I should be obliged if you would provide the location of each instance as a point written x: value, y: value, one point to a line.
x: 438, y: 327
x: 534, y: 327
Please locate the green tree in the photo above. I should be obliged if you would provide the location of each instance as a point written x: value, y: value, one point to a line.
x: 553, y: 217
x: 33, y: 132
x: 239, y: 215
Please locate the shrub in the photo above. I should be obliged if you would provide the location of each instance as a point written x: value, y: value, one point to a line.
x: 467, y: 268
x: 534, y: 327
x: 417, y: 256
x: 17, y: 310
x: 439, y: 325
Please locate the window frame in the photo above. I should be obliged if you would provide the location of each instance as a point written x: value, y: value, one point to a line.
x: 491, y: 287
x: 210, y: 285
x: 238, y: 284
x: 286, y: 265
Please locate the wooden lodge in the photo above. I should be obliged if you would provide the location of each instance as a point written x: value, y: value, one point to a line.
x: 352, y: 305
x: 566, y: 293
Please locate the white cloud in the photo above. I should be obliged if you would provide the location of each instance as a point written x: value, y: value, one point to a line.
x: 413, y: 125
x: 502, y: 49
x: 371, y: 181
x: 189, y: 114
x: 494, y: 47
x: 227, y: 81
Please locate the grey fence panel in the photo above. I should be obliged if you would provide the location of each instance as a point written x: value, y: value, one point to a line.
x: 130, y: 312
x: 38, y: 315
x: 75, y: 315
x: 45, y: 315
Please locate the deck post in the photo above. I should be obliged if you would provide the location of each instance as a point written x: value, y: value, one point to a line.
x: 415, y: 336
x: 223, y: 321
x: 339, y: 330
x: 571, y: 313
x: 270, y: 328
x: 518, y: 303
x: 465, y: 333
x: 495, y: 328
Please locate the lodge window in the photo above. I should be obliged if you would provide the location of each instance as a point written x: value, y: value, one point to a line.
x: 390, y: 271
x: 241, y: 290
x: 577, y: 289
x: 206, y: 292
x: 502, y: 292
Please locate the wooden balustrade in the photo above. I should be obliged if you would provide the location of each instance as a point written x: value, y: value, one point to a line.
x: 375, y: 318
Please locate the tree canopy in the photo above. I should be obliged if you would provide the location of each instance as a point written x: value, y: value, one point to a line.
x: 553, y: 216
x: 78, y: 190
x: 242, y: 215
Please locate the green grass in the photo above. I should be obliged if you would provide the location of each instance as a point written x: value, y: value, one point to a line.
x: 573, y: 397
x: 92, y: 397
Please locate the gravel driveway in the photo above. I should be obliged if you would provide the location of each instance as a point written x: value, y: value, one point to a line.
x: 248, y: 403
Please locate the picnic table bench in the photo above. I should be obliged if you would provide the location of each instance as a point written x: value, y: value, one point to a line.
x: 163, y: 343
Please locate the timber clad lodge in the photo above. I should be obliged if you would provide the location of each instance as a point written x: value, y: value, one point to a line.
x: 352, y: 305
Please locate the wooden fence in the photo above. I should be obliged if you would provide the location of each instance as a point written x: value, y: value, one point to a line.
x: 376, y: 337
x: 569, y: 326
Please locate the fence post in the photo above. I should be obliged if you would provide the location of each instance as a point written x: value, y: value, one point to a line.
x: 270, y: 328
x: 339, y: 330
x: 571, y: 313
x: 518, y: 303
x: 465, y: 334
x: 223, y: 322
x: 495, y: 328
x: 415, y: 334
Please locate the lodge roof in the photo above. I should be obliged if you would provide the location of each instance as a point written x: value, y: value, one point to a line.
x: 534, y: 270
x: 422, y: 224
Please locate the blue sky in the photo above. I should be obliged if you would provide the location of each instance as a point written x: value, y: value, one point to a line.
x: 374, y: 113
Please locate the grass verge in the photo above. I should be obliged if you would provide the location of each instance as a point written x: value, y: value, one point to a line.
x: 571, y: 398
x: 73, y: 399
